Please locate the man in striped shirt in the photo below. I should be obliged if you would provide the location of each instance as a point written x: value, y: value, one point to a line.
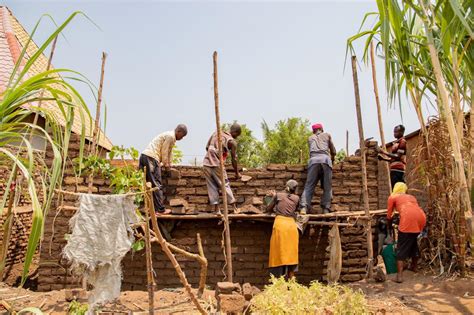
x: 397, y: 156
x: 158, y: 154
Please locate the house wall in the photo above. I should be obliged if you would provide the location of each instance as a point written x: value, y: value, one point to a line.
x: 250, y: 238
x: 22, y: 210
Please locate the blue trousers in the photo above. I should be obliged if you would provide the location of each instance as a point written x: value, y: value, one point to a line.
x: 318, y: 172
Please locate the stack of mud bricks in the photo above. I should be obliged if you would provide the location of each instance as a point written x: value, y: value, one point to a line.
x: 250, y: 238
x: 189, y: 185
x: 232, y: 298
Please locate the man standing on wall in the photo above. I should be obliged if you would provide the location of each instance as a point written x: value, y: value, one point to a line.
x: 321, y: 157
x: 397, y: 157
x: 158, y: 154
x: 211, y: 164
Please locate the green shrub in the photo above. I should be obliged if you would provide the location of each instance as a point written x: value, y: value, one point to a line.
x: 290, y: 297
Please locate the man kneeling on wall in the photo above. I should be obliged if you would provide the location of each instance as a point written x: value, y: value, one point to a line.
x: 283, y: 260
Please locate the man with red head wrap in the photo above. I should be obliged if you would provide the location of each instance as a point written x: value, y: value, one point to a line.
x: 321, y: 156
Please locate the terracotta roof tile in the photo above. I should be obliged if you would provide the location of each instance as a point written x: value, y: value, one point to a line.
x: 7, y: 65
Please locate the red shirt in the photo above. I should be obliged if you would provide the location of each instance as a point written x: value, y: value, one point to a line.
x: 412, y: 217
x: 399, y: 147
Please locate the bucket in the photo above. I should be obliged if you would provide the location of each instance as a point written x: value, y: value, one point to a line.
x: 389, y: 259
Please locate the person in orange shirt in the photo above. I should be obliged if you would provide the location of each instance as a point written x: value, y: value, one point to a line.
x: 412, y: 222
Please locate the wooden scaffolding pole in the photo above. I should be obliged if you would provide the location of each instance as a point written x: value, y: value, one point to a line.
x: 96, y: 131
x: 379, y: 111
x: 48, y: 66
x: 149, y: 259
x: 365, y: 192
x: 347, y: 142
x: 167, y: 251
x: 228, y: 252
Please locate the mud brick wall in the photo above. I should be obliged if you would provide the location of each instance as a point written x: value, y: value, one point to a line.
x: 190, y: 185
x: 250, y: 246
x: 19, y: 235
x: 250, y: 238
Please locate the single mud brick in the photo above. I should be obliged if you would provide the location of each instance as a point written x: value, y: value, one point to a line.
x: 295, y: 168
x: 276, y: 167
x: 283, y: 175
x: 231, y: 303
x: 178, y: 202
x: 178, y: 210
x: 225, y: 288
x: 186, y: 191
x: 265, y: 175
x: 69, y: 180
x: 174, y: 173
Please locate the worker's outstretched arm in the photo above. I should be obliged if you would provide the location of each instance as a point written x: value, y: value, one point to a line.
x: 233, y: 153
x: 272, y: 203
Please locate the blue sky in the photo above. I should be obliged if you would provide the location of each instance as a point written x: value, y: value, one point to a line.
x: 276, y: 60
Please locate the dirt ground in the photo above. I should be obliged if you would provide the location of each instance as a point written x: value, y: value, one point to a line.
x: 419, y: 294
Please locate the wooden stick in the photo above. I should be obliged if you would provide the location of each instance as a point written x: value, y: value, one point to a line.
x: 66, y: 192
x: 379, y: 111
x: 48, y: 66
x: 203, y: 273
x: 347, y: 142
x: 336, y: 215
x: 200, y: 258
x: 329, y: 223
x: 149, y: 262
x: 96, y: 131
x: 169, y: 254
x: 365, y: 192
x: 228, y: 252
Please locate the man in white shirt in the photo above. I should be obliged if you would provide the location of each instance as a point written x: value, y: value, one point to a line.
x: 159, y: 153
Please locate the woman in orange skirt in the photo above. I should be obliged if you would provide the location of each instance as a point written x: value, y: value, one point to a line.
x: 283, y: 259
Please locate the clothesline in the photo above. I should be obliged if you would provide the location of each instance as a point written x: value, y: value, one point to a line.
x: 126, y: 194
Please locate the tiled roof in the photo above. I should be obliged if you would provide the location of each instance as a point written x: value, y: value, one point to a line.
x: 8, y: 23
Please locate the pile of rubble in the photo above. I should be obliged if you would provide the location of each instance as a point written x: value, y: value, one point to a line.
x: 232, y: 298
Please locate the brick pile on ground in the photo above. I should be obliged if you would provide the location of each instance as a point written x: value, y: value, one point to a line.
x: 232, y: 298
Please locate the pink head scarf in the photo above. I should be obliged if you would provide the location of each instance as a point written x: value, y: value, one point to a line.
x: 317, y: 126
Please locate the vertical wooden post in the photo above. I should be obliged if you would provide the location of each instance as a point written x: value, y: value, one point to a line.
x: 96, y: 131
x: 228, y: 251
x: 149, y: 261
x: 379, y: 111
x: 48, y: 66
x: 365, y: 192
x: 347, y: 142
